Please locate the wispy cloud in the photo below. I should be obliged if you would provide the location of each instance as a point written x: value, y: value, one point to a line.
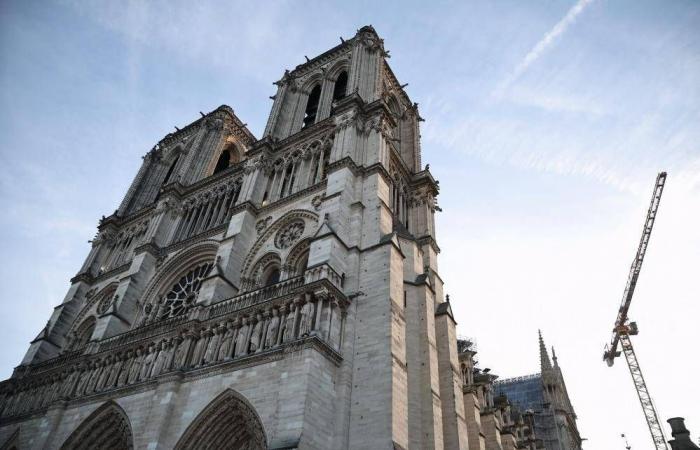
x: 538, y: 50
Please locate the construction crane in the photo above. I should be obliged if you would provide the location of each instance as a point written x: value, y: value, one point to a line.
x: 624, y: 328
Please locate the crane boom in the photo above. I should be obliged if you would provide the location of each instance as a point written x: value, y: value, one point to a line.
x: 612, y: 351
x: 623, y: 329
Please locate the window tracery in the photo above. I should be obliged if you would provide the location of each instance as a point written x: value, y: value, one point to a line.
x: 289, y: 234
x: 183, y: 293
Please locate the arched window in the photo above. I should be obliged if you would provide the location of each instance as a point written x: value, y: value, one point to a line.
x: 170, y: 171
x: 271, y: 275
x: 184, y: 292
x: 83, y: 334
x: 287, y: 180
x: 341, y: 85
x: 326, y: 160
x: 302, y: 263
x: 312, y: 106
x: 223, y: 162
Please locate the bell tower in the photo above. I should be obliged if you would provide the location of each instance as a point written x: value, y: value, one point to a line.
x: 282, y: 291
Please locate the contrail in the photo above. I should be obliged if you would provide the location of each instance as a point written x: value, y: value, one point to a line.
x: 544, y: 43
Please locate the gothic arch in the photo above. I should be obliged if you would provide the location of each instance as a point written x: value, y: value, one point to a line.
x: 262, y: 265
x: 309, y: 217
x: 172, y: 270
x: 342, y: 65
x: 82, y: 333
x: 296, y: 256
x: 107, y: 428
x: 95, y: 299
x: 229, y: 422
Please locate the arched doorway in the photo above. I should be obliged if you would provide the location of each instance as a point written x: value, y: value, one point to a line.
x: 107, y: 428
x: 229, y: 422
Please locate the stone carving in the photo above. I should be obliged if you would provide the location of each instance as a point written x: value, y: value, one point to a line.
x: 256, y: 335
x: 317, y: 201
x: 306, y: 317
x: 148, y: 361
x: 289, y: 234
x: 226, y: 341
x: 135, y: 369
x: 272, y: 330
x: 217, y: 341
x: 289, y: 324
x: 262, y: 224
x: 213, y: 347
x: 242, y: 339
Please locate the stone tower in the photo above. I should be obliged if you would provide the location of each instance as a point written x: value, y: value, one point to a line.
x: 280, y: 292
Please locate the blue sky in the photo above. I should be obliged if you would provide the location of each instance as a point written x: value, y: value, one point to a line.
x: 546, y: 123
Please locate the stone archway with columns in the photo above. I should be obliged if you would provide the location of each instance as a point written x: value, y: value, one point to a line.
x: 228, y: 422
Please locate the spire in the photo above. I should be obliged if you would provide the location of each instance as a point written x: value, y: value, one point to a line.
x: 544, y: 356
x: 554, y: 358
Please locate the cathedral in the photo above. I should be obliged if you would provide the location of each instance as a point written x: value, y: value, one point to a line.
x: 276, y: 293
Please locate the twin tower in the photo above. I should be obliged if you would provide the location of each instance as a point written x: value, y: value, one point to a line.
x: 248, y: 293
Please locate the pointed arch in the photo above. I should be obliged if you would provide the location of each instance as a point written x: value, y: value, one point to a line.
x: 228, y: 422
x: 298, y: 257
x: 83, y: 333
x: 264, y: 268
x: 172, y: 270
x: 107, y: 428
x: 309, y: 217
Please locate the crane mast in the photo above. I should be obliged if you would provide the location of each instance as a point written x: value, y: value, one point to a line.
x: 623, y: 329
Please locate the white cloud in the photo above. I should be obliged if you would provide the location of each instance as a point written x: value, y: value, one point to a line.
x: 541, y: 47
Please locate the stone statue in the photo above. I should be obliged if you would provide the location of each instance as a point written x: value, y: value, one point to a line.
x: 123, y: 377
x: 199, y: 348
x: 289, y: 325
x: 82, y: 380
x: 255, y: 335
x: 183, y: 348
x: 69, y: 383
x: 106, y: 370
x: 272, y: 330
x: 135, y: 369
x: 306, y: 318
x: 163, y: 351
x: 114, y: 372
x: 213, y: 346
x: 148, y: 361
x: 242, y: 338
x: 226, y: 341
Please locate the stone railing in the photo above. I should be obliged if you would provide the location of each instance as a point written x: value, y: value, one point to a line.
x: 250, y: 298
x: 247, y: 327
x: 323, y: 271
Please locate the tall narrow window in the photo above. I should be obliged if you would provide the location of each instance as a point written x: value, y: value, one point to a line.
x: 341, y: 85
x: 286, y: 180
x: 170, y: 171
x: 326, y: 160
x: 272, y: 276
x: 223, y: 162
x: 312, y: 106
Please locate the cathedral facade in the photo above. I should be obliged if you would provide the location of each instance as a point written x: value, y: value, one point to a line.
x: 272, y: 293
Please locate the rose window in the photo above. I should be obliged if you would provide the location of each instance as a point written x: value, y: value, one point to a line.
x: 289, y: 234
x: 106, y: 301
x: 184, y: 293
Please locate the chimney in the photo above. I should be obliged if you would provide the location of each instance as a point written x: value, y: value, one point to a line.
x: 681, y: 435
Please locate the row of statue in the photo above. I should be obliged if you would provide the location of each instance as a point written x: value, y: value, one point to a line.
x: 192, y: 348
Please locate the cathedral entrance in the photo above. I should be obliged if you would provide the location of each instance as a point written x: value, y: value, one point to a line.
x: 229, y: 422
x: 107, y: 428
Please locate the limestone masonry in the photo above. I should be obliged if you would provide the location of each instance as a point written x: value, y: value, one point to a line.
x: 277, y: 293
